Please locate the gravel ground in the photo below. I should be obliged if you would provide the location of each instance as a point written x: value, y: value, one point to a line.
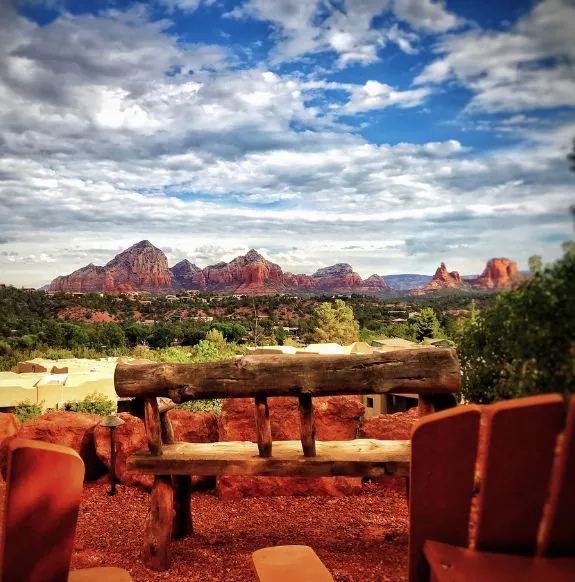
x: 359, y: 538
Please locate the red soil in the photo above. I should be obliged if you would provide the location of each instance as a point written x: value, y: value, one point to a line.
x: 361, y: 538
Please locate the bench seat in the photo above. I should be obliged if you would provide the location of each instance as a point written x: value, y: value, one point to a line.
x: 358, y: 457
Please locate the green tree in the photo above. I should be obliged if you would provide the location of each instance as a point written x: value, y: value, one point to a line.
x: 137, y: 333
x: 334, y: 323
x: 425, y: 324
x: 216, y: 337
x: 162, y: 336
x: 524, y: 343
x: 535, y: 264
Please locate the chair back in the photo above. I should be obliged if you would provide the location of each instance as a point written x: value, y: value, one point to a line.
x: 43, y: 492
x: 517, y: 457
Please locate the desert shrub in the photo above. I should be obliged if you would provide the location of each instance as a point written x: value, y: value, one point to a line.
x: 216, y: 337
x: 524, y: 343
x: 27, y: 410
x: 94, y: 403
x: 214, y: 405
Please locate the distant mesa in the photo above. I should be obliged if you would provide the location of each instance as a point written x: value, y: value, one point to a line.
x: 144, y: 267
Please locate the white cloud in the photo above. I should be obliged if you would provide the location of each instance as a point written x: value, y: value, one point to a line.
x: 426, y: 14
x: 99, y: 148
x: 376, y: 95
x: 511, y: 71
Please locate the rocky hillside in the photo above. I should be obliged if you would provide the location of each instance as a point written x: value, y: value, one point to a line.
x: 145, y: 267
x: 141, y: 267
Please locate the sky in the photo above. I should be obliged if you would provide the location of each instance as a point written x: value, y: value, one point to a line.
x: 388, y: 134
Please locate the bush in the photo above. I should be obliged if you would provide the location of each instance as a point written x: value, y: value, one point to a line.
x: 92, y: 404
x: 27, y: 410
x: 524, y: 343
x: 214, y: 405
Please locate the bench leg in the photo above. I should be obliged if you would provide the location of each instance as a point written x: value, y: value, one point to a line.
x: 183, y: 506
x: 156, y: 554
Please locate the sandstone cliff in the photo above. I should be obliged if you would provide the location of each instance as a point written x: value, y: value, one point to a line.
x: 141, y: 267
x: 499, y: 273
x: 186, y: 275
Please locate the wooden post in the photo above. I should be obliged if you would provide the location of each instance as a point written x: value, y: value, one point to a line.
x: 263, y: 426
x: 153, y: 426
x: 307, y: 425
x: 159, y: 523
x: 183, y: 506
x: 167, y: 429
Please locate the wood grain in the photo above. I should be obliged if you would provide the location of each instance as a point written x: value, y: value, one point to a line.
x: 263, y: 426
x: 359, y: 457
x: 307, y: 425
x: 167, y: 429
x: 424, y: 371
x: 156, y: 553
x: 153, y: 426
x: 182, y: 526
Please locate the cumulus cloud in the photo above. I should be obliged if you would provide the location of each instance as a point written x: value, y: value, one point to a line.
x: 528, y: 67
x: 112, y: 130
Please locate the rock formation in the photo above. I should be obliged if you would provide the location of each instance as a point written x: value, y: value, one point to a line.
x: 250, y: 275
x: 336, y: 417
x: 141, y: 267
x: 499, y: 273
x: 145, y: 267
x: 186, y: 275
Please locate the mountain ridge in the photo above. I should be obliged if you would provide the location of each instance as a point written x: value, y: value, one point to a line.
x: 144, y: 267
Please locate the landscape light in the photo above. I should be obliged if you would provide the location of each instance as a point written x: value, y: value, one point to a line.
x: 112, y: 421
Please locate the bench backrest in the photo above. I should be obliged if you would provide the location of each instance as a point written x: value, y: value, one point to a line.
x: 520, y: 457
x: 43, y: 493
x: 431, y: 372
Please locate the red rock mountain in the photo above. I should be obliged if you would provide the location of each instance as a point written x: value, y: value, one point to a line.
x: 499, y: 273
x: 141, y: 267
x: 186, y: 275
x: 145, y: 267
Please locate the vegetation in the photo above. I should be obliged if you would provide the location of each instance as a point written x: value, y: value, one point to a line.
x: 524, y: 343
x: 94, y: 403
x: 27, y: 410
x: 334, y: 323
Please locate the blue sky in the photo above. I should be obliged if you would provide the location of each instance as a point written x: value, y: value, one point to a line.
x: 389, y: 134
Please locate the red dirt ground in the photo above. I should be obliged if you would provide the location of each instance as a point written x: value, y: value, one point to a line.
x: 360, y: 538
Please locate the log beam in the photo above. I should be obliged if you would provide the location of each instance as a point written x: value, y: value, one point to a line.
x: 182, y: 505
x: 417, y: 371
x: 159, y: 523
x: 307, y: 425
x: 263, y: 426
x: 153, y: 426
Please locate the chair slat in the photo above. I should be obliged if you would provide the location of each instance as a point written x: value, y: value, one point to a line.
x: 559, y: 533
x: 521, y: 438
x: 40, y: 513
x: 443, y: 453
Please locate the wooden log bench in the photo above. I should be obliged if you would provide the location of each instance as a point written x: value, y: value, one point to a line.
x: 433, y: 374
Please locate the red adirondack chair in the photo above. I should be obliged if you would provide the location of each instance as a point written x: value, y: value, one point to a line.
x: 525, y: 508
x: 43, y: 491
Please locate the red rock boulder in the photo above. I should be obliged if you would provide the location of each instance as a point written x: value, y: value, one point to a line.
x: 200, y: 427
x: 337, y: 418
x: 390, y: 427
x: 9, y: 427
x: 70, y: 429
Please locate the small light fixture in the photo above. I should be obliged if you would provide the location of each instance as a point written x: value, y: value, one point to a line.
x: 112, y: 421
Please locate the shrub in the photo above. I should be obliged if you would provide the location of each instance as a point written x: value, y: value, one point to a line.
x: 27, y: 410
x: 94, y: 403
x: 214, y: 405
x: 524, y: 343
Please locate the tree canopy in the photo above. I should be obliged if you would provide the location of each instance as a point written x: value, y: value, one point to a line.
x: 524, y: 343
x: 334, y: 323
